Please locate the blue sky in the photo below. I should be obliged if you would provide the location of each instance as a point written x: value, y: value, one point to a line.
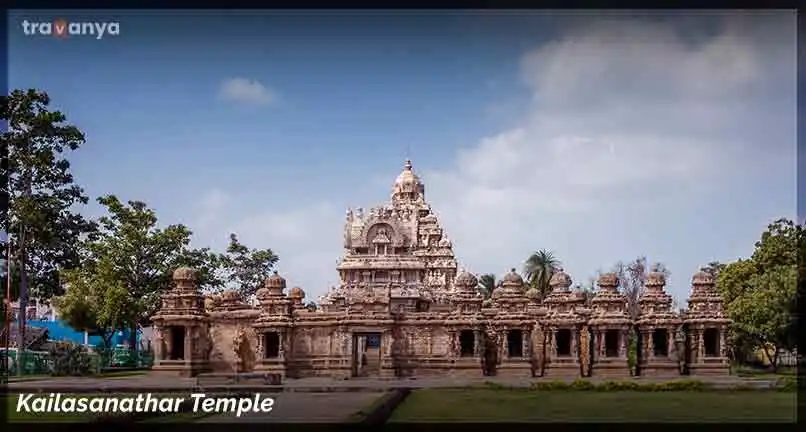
x: 600, y: 137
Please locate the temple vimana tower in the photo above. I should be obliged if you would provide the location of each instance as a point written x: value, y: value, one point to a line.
x: 403, y: 308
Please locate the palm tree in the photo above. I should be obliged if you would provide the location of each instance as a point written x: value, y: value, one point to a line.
x: 487, y: 285
x: 539, y: 268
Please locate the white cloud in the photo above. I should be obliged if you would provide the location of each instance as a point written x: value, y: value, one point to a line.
x: 631, y: 128
x: 246, y: 90
x: 638, y: 140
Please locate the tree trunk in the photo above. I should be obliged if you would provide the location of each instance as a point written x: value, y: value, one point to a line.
x: 23, y: 279
x: 766, y: 350
x: 23, y: 304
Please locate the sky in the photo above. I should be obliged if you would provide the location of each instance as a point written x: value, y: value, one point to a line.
x: 598, y: 136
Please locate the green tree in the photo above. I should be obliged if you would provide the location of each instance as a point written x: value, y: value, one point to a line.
x: 761, y: 293
x: 140, y: 256
x: 245, y: 268
x: 714, y: 268
x: 95, y: 302
x: 208, y: 264
x: 487, y: 284
x: 42, y: 224
x: 763, y: 313
x: 538, y: 270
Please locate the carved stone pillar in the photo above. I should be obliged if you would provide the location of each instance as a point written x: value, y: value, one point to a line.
x: 188, y: 344
x: 158, y: 348
x: 168, y: 341
x: 670, y: 343
x: 453, y: 342
x: 282, y: 348
x: 700, y: 345
x: 552, y: 342
x: 575, y: 342
x: 722, y: 342
x: 526, y: 345
x: 602, y: 343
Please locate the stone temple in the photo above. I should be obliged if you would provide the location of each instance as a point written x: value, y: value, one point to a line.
x: 403, y: 309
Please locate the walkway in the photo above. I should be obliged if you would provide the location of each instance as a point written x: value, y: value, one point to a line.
x: 304, y: 408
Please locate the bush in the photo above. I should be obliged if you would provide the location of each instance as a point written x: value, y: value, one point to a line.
x: 70, y: 360
x: 581, y: 384
x: 632, y: 352
x: 551, y: 385
x: 787, y: 384
x: 618, y: 386
x: 614, y: 386
x: 681, y: 385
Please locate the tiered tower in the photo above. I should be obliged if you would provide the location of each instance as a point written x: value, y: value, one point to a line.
x: 657, y: 326
x: 396, y: 255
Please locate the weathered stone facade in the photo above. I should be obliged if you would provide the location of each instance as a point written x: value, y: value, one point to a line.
x: 402, y: 309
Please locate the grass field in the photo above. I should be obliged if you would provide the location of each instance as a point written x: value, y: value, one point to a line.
x: 506, y: 405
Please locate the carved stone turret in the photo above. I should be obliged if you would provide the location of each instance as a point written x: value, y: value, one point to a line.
x: 273, y: 326
x: 181, y: 328
x: 706, y: 328
x: 657, y: 326
x: 562, y: 327
x: 513, y: 326
x: 610, y: 325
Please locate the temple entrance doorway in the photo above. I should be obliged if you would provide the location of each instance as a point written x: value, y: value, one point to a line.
x: 177, y: 343
x: 366, y: 354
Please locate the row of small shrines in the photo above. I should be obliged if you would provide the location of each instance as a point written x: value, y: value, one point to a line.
x: 512, y: 335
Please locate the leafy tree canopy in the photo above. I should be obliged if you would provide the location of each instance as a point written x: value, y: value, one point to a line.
x: 245, y: 268
x: 129, y: 250
x: 95, y: 301
x: 538, y: 270
x: 487, y: 284
x: 42, y: 225
x: 760, y: 293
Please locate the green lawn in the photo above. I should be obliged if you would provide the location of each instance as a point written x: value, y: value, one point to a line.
x: 501, y: 405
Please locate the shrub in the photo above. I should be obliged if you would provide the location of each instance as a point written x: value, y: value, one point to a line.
x: 70, y: 360
x: 787, y: 384
x: 680, y: 385
x: 618, y: 386
x: 551, y: 385
x: 581, y: 384
x: 632, y: 352
x: 614, y: 386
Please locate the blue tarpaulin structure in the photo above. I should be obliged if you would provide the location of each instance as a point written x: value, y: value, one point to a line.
x: 59, y: 331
